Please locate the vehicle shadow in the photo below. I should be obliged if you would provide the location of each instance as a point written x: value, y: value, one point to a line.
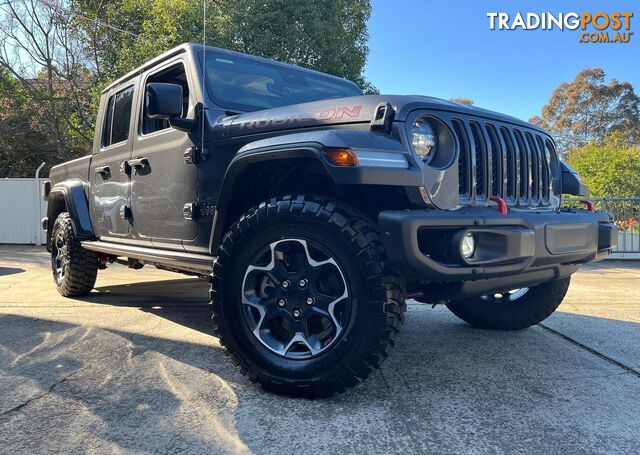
x: 147, y: 392
x: 67, y: 387
x: 183, y: 301
x: 147, y: 386
x: 10, y: 270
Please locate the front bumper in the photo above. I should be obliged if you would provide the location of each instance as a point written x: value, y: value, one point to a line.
x: 523, y: 247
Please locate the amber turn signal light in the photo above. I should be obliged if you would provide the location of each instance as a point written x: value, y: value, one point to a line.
x: 342, y: 157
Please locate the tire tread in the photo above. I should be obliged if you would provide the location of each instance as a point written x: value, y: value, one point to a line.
x: 537, y: 305
x: 384, y: 325
x: 82, y: 270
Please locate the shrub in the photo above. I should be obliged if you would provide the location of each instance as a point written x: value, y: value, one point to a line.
x: 610, y: 168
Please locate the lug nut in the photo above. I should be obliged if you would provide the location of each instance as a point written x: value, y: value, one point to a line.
x: 297, y: 313
x: 303, y: 282
x: 310, y: 300
x: 286, y: 284
x: 282, y: 302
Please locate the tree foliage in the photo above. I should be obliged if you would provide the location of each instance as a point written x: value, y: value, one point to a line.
x: 57, y: 55
x: 44, y: 86
x: 610, y: 168
x: 24, y: 140
x: 120, y: 35
x: 325, y: 35
x: 588, y: 109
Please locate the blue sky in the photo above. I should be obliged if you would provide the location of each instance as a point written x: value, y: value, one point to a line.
x: 446, y: 49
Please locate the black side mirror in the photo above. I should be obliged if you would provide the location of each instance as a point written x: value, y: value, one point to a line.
x: 571, y: 182
x: 164, y: 101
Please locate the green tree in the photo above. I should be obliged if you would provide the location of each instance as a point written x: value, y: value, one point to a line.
x: 24, y: 143
x: 325, y: 35
x: 589, y: 108
x: 120, y: 35
x: 610, y: 168
x: 45, y: 84
x: 59, y: 54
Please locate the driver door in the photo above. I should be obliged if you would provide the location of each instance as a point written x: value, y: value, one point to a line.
x: 163, y: 183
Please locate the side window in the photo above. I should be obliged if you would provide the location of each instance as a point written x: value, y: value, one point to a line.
x: 117, y: 117
x: 108, y: 119
x: 173, y: 75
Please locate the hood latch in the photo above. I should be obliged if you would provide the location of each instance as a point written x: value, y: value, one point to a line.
x: 382, y: 118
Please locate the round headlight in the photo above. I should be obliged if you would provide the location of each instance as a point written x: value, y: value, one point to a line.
x: 423, y: 139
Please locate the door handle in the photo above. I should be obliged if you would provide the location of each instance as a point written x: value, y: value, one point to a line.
x: 138, y: 163
x: 103, y: 170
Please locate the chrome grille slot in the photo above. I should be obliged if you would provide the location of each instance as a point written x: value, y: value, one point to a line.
x: 544, y: 170
x: 464, y: 159
x: 535, y: 169
x: 495, y: 158
x: 525, y: 168
x: 510, y: 154
x: 480, y: 154
x: 503, y: 160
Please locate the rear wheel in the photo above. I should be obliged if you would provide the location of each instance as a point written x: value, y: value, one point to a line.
x: 512, y: 309
x: 299, y: 298
x: 74, y: 268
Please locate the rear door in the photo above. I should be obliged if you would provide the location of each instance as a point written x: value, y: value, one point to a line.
x: 163, y: 183
x: 110, y: 202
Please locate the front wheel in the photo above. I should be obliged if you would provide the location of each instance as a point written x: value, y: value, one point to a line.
x: 513, y: 309
x: 299, y: 298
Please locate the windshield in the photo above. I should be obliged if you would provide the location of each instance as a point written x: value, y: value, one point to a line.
x: 246, y: 84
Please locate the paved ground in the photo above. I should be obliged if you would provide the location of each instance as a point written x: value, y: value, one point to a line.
x: 134, y: 368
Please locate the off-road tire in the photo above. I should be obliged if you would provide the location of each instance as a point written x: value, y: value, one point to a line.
x: 81, y: 268
x: 379, y: 312
x: 530, y: 309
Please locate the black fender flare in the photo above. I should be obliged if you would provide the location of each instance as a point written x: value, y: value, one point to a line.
x: 241, y: 162
x: 70, y: 196
x: 312, y: 145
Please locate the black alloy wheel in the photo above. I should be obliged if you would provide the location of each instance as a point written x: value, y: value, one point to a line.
x: 300, y: 299
x: 296, y: 298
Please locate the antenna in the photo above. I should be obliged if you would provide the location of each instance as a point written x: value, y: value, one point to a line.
x: 204, y: 68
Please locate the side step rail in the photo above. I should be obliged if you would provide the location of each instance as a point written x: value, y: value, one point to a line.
x: 177, y: 259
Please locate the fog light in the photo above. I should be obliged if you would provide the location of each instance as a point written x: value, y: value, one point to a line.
x: 468, y: 245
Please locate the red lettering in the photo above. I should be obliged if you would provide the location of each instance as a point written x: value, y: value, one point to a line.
x: 353, y: 111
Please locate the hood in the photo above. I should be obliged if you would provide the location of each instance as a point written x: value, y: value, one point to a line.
x: 355, y: 109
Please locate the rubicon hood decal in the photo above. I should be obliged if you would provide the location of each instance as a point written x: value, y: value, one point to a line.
x: 357, y: 109
x: 346, y: 113
x: 326, y: 112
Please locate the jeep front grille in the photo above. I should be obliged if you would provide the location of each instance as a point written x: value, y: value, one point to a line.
x: 502, y: 160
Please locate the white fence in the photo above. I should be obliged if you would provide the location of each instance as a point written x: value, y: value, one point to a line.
x: 21, y: 209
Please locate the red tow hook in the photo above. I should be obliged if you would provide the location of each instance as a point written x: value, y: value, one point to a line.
x: 589, y: 205
x: 503, y: 209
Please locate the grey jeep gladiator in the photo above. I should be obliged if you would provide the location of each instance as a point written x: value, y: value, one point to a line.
x: 315, y: 211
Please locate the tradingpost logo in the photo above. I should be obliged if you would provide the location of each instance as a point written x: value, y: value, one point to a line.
x: 595, y: 27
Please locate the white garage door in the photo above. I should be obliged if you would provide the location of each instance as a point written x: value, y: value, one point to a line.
x: 21, y: 209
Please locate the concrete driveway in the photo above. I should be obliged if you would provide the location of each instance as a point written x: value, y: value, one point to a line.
x: 134, y: 368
